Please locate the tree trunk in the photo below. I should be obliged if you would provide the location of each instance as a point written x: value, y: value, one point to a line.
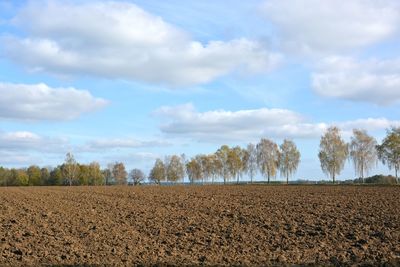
x: 362, y: 175
x: 395, y: 172
x: 268, y: 178
x: 333, y: 178
x: 287, y: 178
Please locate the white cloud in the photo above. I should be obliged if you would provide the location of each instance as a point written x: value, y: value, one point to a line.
x: 371, y: 124
x: 25, y: 147
x: 17, y: 159
x: 120, y: 40
x: 332, y: 25
x: 99, y: 145
x: 41, y: 102
x: 142, y: 160
x: 375, y: 81
x: 220, y: 125
x: 24, y: 141
x: 250, y: 125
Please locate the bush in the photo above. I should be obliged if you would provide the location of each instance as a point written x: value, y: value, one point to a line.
x: 380, y: 179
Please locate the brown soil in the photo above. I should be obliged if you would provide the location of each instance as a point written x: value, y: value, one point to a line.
x: 200, y: 225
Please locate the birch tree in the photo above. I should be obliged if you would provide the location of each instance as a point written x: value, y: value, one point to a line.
x: 289, y: 159
x: 96, y: 175
x: 70, y: 169
x: 119, y: 173
x: 175, y: 168
x: 234, y: 162
x: 333, y: 152
x: 268, y: 158
x: 363, y: 152
x: 158, y: 173
x: 251, y: 162
x: 222, y: 155
x: 389, y: 150
x: 193, y: 170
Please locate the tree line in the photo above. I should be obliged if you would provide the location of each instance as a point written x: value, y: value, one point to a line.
x: 230, y: 163
x: 363, y: 150
x: 227, y: 163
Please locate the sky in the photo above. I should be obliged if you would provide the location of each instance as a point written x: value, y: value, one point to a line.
x: 132, y: 81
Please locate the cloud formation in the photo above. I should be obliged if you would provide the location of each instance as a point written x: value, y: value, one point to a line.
x: 375, y: 81
x: 24, y: 141
x: 119, y: 40
x: 17, y: 158
x: 328, y: 26
x: 250, y: 125
x: 99, y: 145
x: 41, y: 102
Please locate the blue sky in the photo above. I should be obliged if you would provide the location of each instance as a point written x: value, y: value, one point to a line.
x: 132, y: 81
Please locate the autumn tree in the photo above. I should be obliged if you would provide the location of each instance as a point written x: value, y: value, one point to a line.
x: 4, y: 173
x: 222, y: 156
x: 389, y: 150
x: 35, y: 175
x: 251, y: 162
x: 289, y: 159
x: 107, y: 173
x: 95, y: 174
x: 244, y: 157
x: 267, y: 158
x: 363, y: 152
x: 175, y: 168
x: 207, y: 166
x: 70, y: 169
x: 216, y: 166
x: 158, y: 173
x: 56, y: 176
x: 44, y: 172
x: 137, y: 176
x: 235, y: 162
x: 18, y: 177
x: 193, y: 170
x: 119, y: 173
x: 333, y: 152
x: 84, y: 174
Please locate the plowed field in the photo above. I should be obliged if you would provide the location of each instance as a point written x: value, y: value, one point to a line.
x: 200, y: 225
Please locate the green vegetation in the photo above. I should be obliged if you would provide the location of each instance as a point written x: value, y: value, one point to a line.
x: 227, y: 164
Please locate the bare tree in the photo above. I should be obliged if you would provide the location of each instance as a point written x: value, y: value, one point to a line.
x: 175, y: 168
x: 363, y: 152
x: 389, y: 150
x: 119, y: 173
x: 70, y: 169
x: 268, y: 158
x: 137, y: 176
x: 289, y: 159
x: 251, y: 162
x: 158, y: 173
x: 333, y: 152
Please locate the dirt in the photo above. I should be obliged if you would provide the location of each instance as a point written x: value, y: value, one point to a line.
x: 200, y: 225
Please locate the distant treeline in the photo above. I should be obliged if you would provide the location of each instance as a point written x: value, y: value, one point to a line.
x: 227, y: 164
